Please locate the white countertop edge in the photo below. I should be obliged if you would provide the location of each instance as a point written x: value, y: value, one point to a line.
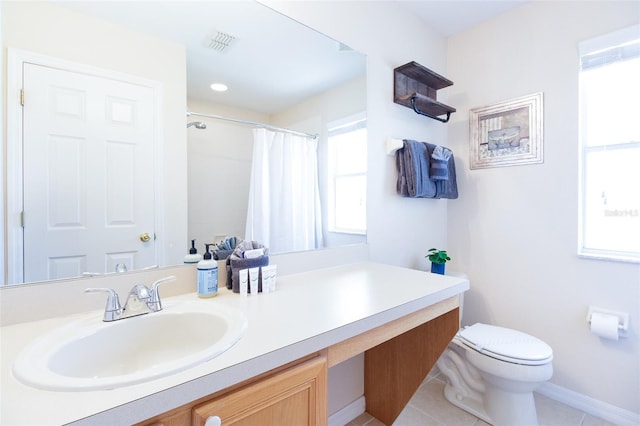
x: 168, y: 399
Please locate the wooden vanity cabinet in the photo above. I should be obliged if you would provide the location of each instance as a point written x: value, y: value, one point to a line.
x: 292, y: 396
x: 296, y: 396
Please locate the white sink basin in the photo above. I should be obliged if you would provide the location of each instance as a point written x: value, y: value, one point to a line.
x: 89, y: 354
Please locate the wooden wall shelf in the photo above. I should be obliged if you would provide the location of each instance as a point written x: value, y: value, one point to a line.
x: 416, y: 87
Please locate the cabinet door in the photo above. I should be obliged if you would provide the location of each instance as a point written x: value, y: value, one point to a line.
x: 293, y: 397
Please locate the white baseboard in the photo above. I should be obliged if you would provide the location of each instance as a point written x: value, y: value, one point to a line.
x: 603, y: 410
x: 348, y: 413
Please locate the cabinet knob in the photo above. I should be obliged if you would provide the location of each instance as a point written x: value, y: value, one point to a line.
x: 213, y: 421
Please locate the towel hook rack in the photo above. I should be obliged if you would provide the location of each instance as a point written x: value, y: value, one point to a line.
x: 418, y: 111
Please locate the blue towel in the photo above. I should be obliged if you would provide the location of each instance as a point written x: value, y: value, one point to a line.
x: 401, y: 184
x: 439, y: 169
x: 419, y: 176
x: 221, y: 254
x: 413, y: 170
x: 446, y: 188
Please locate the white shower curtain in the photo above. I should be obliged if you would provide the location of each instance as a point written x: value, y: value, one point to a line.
x: 284, y: 202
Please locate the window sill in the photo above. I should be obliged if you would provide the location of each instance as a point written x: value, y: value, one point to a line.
x: 347, y: 232
x: 609, y: 257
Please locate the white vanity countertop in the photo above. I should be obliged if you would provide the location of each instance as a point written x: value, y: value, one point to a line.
x: 308, y: 312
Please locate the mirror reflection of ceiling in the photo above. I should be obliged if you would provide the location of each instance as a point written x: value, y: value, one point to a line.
x: 298, y: 63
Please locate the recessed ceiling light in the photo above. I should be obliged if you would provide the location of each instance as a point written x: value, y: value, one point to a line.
x: 219, y: 87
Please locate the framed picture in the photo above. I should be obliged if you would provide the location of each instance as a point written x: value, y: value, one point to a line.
x: 507, y: 134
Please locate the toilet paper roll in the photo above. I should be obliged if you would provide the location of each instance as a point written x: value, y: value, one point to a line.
x: 604, y: 325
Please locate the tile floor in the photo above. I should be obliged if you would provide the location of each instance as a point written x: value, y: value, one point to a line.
x: 428, y: 407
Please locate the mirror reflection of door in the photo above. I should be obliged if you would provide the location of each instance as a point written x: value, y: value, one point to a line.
x: 88, y: 174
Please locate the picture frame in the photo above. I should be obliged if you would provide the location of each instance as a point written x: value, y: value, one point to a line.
x: 509, y: 133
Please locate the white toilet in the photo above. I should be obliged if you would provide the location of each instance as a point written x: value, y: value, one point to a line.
x: 493, y: 371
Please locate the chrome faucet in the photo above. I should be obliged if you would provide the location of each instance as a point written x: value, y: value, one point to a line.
x: 140, y: 300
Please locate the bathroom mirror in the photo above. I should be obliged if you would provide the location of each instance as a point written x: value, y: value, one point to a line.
x: 269, y: 94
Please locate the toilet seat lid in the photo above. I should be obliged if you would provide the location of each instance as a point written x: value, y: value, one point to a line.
x: 506, y: 344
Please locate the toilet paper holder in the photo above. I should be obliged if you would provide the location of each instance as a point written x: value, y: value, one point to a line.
x: 623, y: 318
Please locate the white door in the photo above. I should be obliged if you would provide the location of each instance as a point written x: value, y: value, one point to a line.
x: 88, y: 174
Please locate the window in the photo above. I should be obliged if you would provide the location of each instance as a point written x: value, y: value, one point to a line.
x: 347, y: 173
x: 610, y: 146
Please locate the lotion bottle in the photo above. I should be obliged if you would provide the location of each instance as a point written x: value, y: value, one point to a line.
x: 207, y: 275
x: 193, y: 256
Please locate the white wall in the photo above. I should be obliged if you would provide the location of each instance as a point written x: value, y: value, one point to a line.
x: 514, y: 229
x: 45, y: 28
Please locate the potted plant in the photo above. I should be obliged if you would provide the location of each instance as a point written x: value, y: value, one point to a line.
x: 438, y: 258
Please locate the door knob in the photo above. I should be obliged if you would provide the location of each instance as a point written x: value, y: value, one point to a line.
x: 145, y: 237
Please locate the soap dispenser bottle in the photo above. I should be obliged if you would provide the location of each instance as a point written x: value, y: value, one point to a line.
x: 193, y: 256
x: 207, y: 275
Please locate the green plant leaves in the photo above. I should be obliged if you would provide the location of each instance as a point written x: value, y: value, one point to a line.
x: 437, y: 256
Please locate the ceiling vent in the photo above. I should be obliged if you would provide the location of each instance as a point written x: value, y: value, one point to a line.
x: 221, y: 41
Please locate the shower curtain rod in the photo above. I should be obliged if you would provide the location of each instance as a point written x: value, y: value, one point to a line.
x: 252, y: 123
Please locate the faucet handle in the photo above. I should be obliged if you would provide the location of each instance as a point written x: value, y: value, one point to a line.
x: 155, y: 303
x: 141, y: 292
x: 113, y: 303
